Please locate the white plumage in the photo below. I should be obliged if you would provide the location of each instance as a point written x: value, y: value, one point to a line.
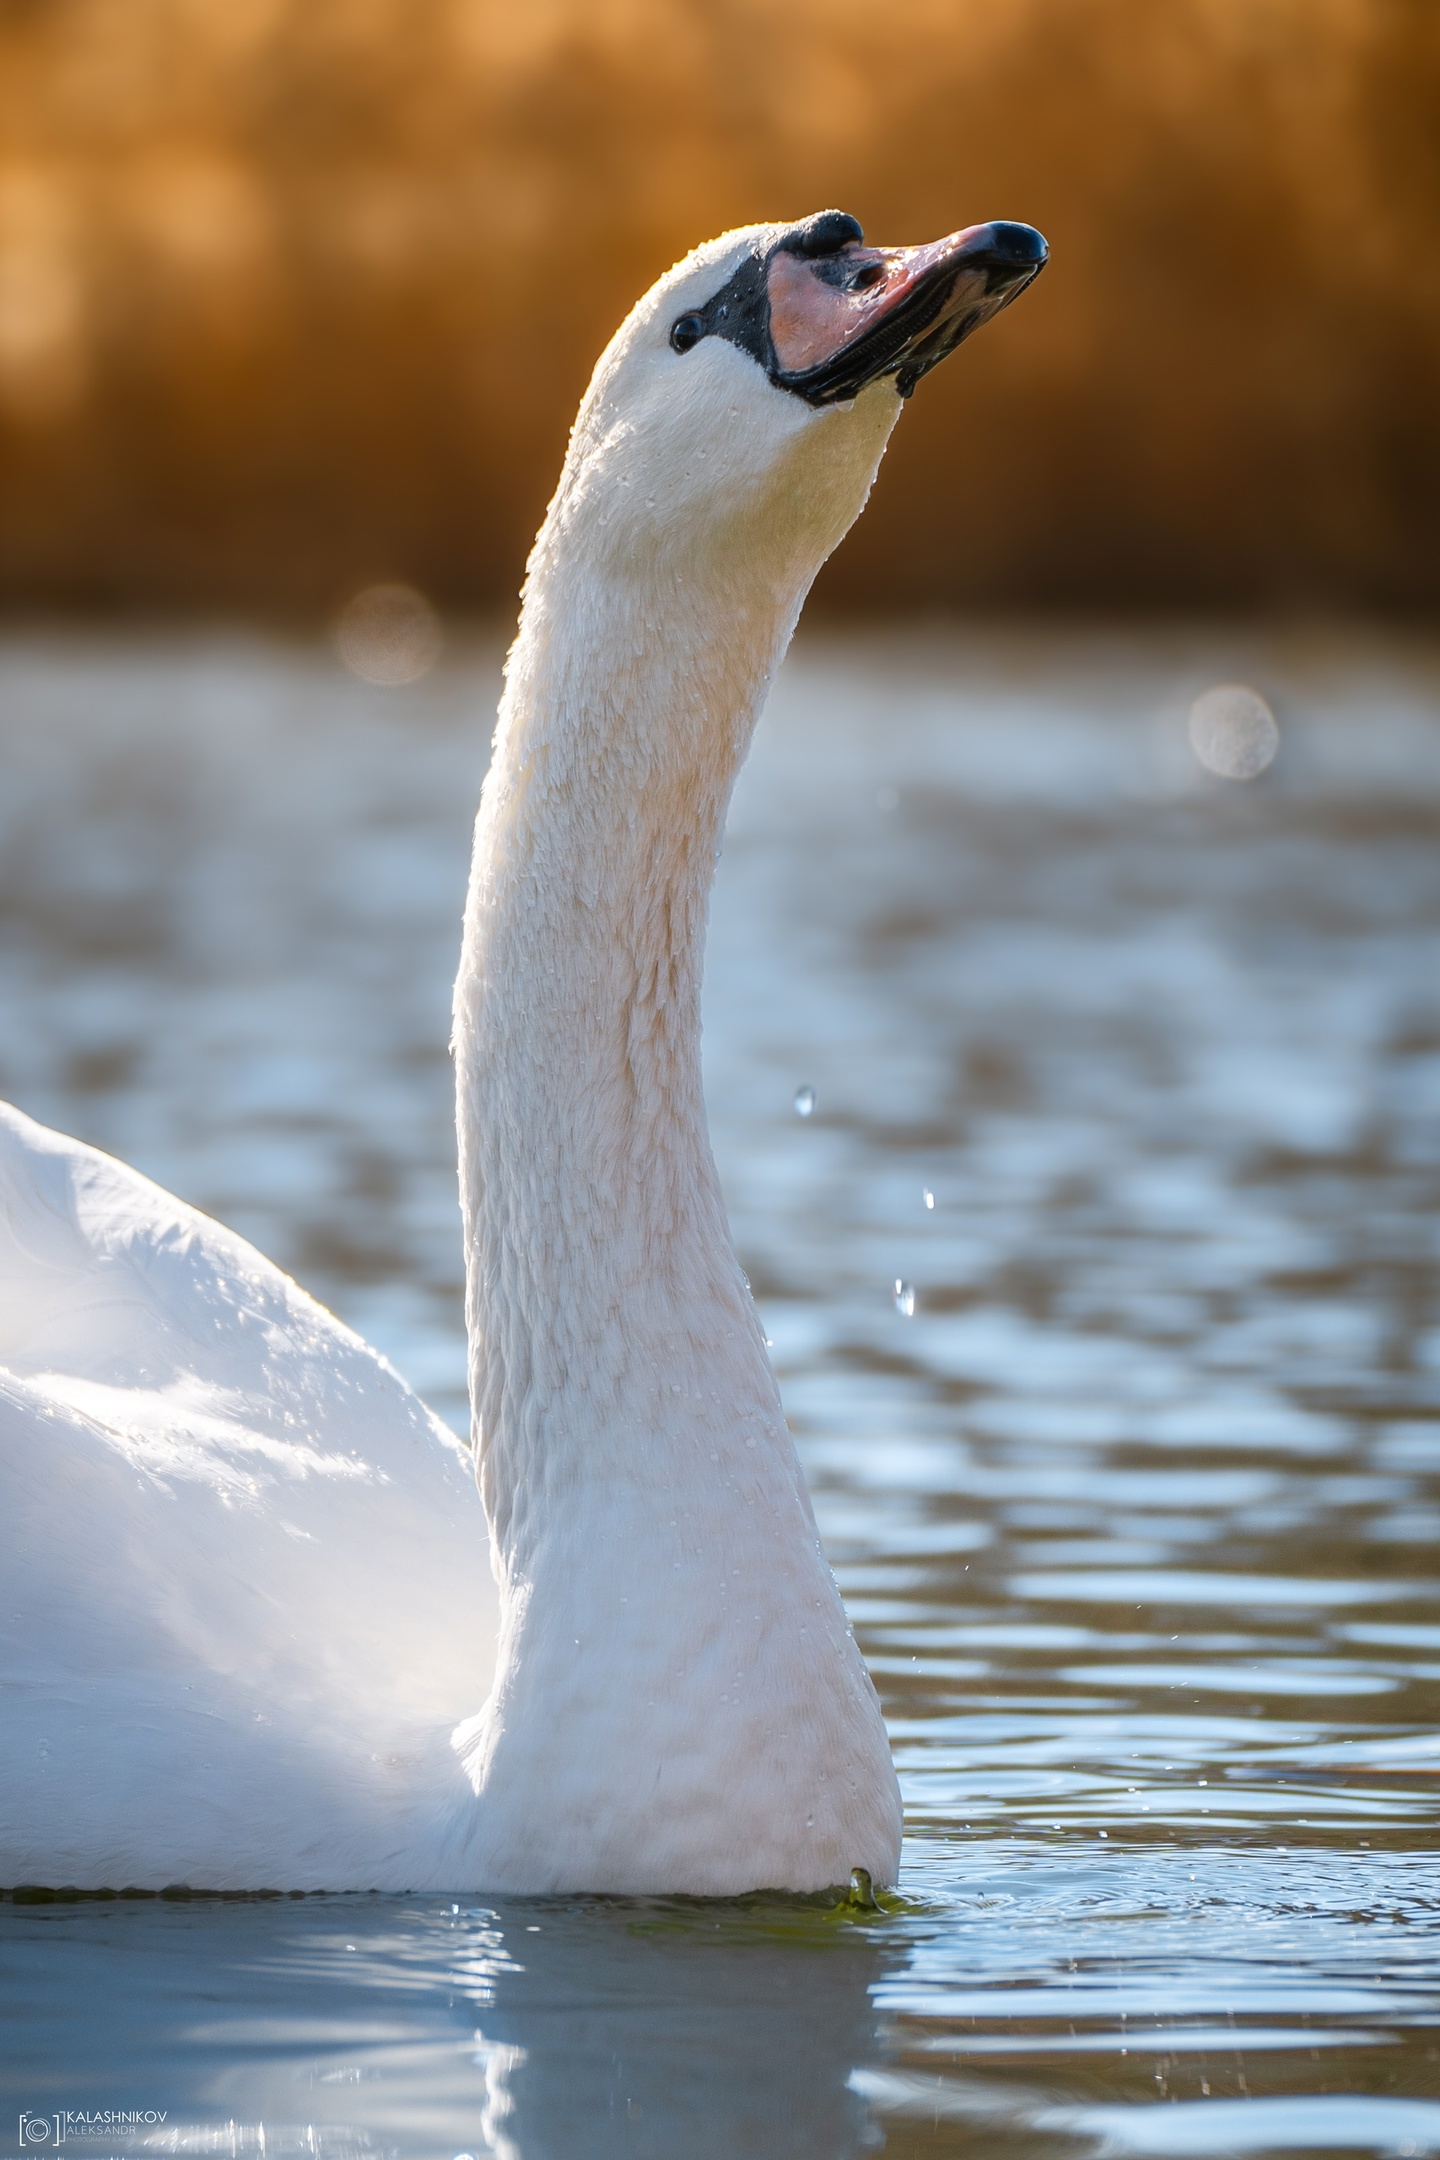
x: 245, y: 1597
x: 250, y: 1626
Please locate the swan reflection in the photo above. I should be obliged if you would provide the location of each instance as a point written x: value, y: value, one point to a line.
x: 397, y: 2029
x: 698, y: 2030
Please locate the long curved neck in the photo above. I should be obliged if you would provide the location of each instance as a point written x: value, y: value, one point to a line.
x: 606, y: 1311
x: 678, y: 1703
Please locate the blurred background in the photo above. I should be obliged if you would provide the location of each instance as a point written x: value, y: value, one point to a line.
x: 298, y: 297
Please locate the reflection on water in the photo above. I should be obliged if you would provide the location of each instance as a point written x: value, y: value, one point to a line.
x: 1130, y: 1076
x: 544, y: 2030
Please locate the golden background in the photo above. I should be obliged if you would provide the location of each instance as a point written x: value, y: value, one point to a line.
x: 300, y: 293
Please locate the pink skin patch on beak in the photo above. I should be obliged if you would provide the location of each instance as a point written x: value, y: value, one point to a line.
x: 819, y: 307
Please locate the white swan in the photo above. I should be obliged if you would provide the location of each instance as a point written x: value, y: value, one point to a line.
x: 247, y: 1614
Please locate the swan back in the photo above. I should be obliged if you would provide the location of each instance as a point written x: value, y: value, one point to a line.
x: 248, y: 1564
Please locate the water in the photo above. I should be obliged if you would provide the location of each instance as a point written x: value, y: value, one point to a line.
x: 1136, y: 1516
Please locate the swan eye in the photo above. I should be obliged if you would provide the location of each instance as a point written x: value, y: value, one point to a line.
x: 685, y: 331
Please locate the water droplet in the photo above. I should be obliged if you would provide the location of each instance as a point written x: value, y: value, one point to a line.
x: 928, y: 1197
x: 804, y: 1101
x: 1233, y: 732
x: 904, y: 1299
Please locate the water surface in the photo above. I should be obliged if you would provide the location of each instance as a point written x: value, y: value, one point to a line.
x: 1136, y: 1514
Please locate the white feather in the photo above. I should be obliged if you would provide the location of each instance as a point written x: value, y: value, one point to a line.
x: 249, y: 1619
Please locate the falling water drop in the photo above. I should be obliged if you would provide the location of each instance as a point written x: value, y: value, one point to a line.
x: 904, y: 1299
x: 804, y: 1101
x: 928, y: 1197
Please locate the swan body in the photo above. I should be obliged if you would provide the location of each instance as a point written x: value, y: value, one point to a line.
x: 253, y: 1636
x: 246, y: 1597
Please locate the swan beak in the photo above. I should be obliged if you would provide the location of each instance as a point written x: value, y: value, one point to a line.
x: 842, y: 319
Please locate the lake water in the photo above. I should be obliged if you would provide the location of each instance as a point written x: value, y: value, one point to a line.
x: 1136, y: 1514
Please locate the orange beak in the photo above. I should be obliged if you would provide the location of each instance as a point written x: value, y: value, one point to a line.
x: 841, y: 317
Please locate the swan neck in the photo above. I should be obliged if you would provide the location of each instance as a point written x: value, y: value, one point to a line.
x: 604, y: 1300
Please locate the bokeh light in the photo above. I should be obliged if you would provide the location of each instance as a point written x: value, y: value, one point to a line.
x: 1233, y: 732
x: 389, y: 635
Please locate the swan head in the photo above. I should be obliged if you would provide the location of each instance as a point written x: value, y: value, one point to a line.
x: 737, y: 416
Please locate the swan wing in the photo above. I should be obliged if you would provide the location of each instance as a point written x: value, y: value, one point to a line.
x: 247, y: 1592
